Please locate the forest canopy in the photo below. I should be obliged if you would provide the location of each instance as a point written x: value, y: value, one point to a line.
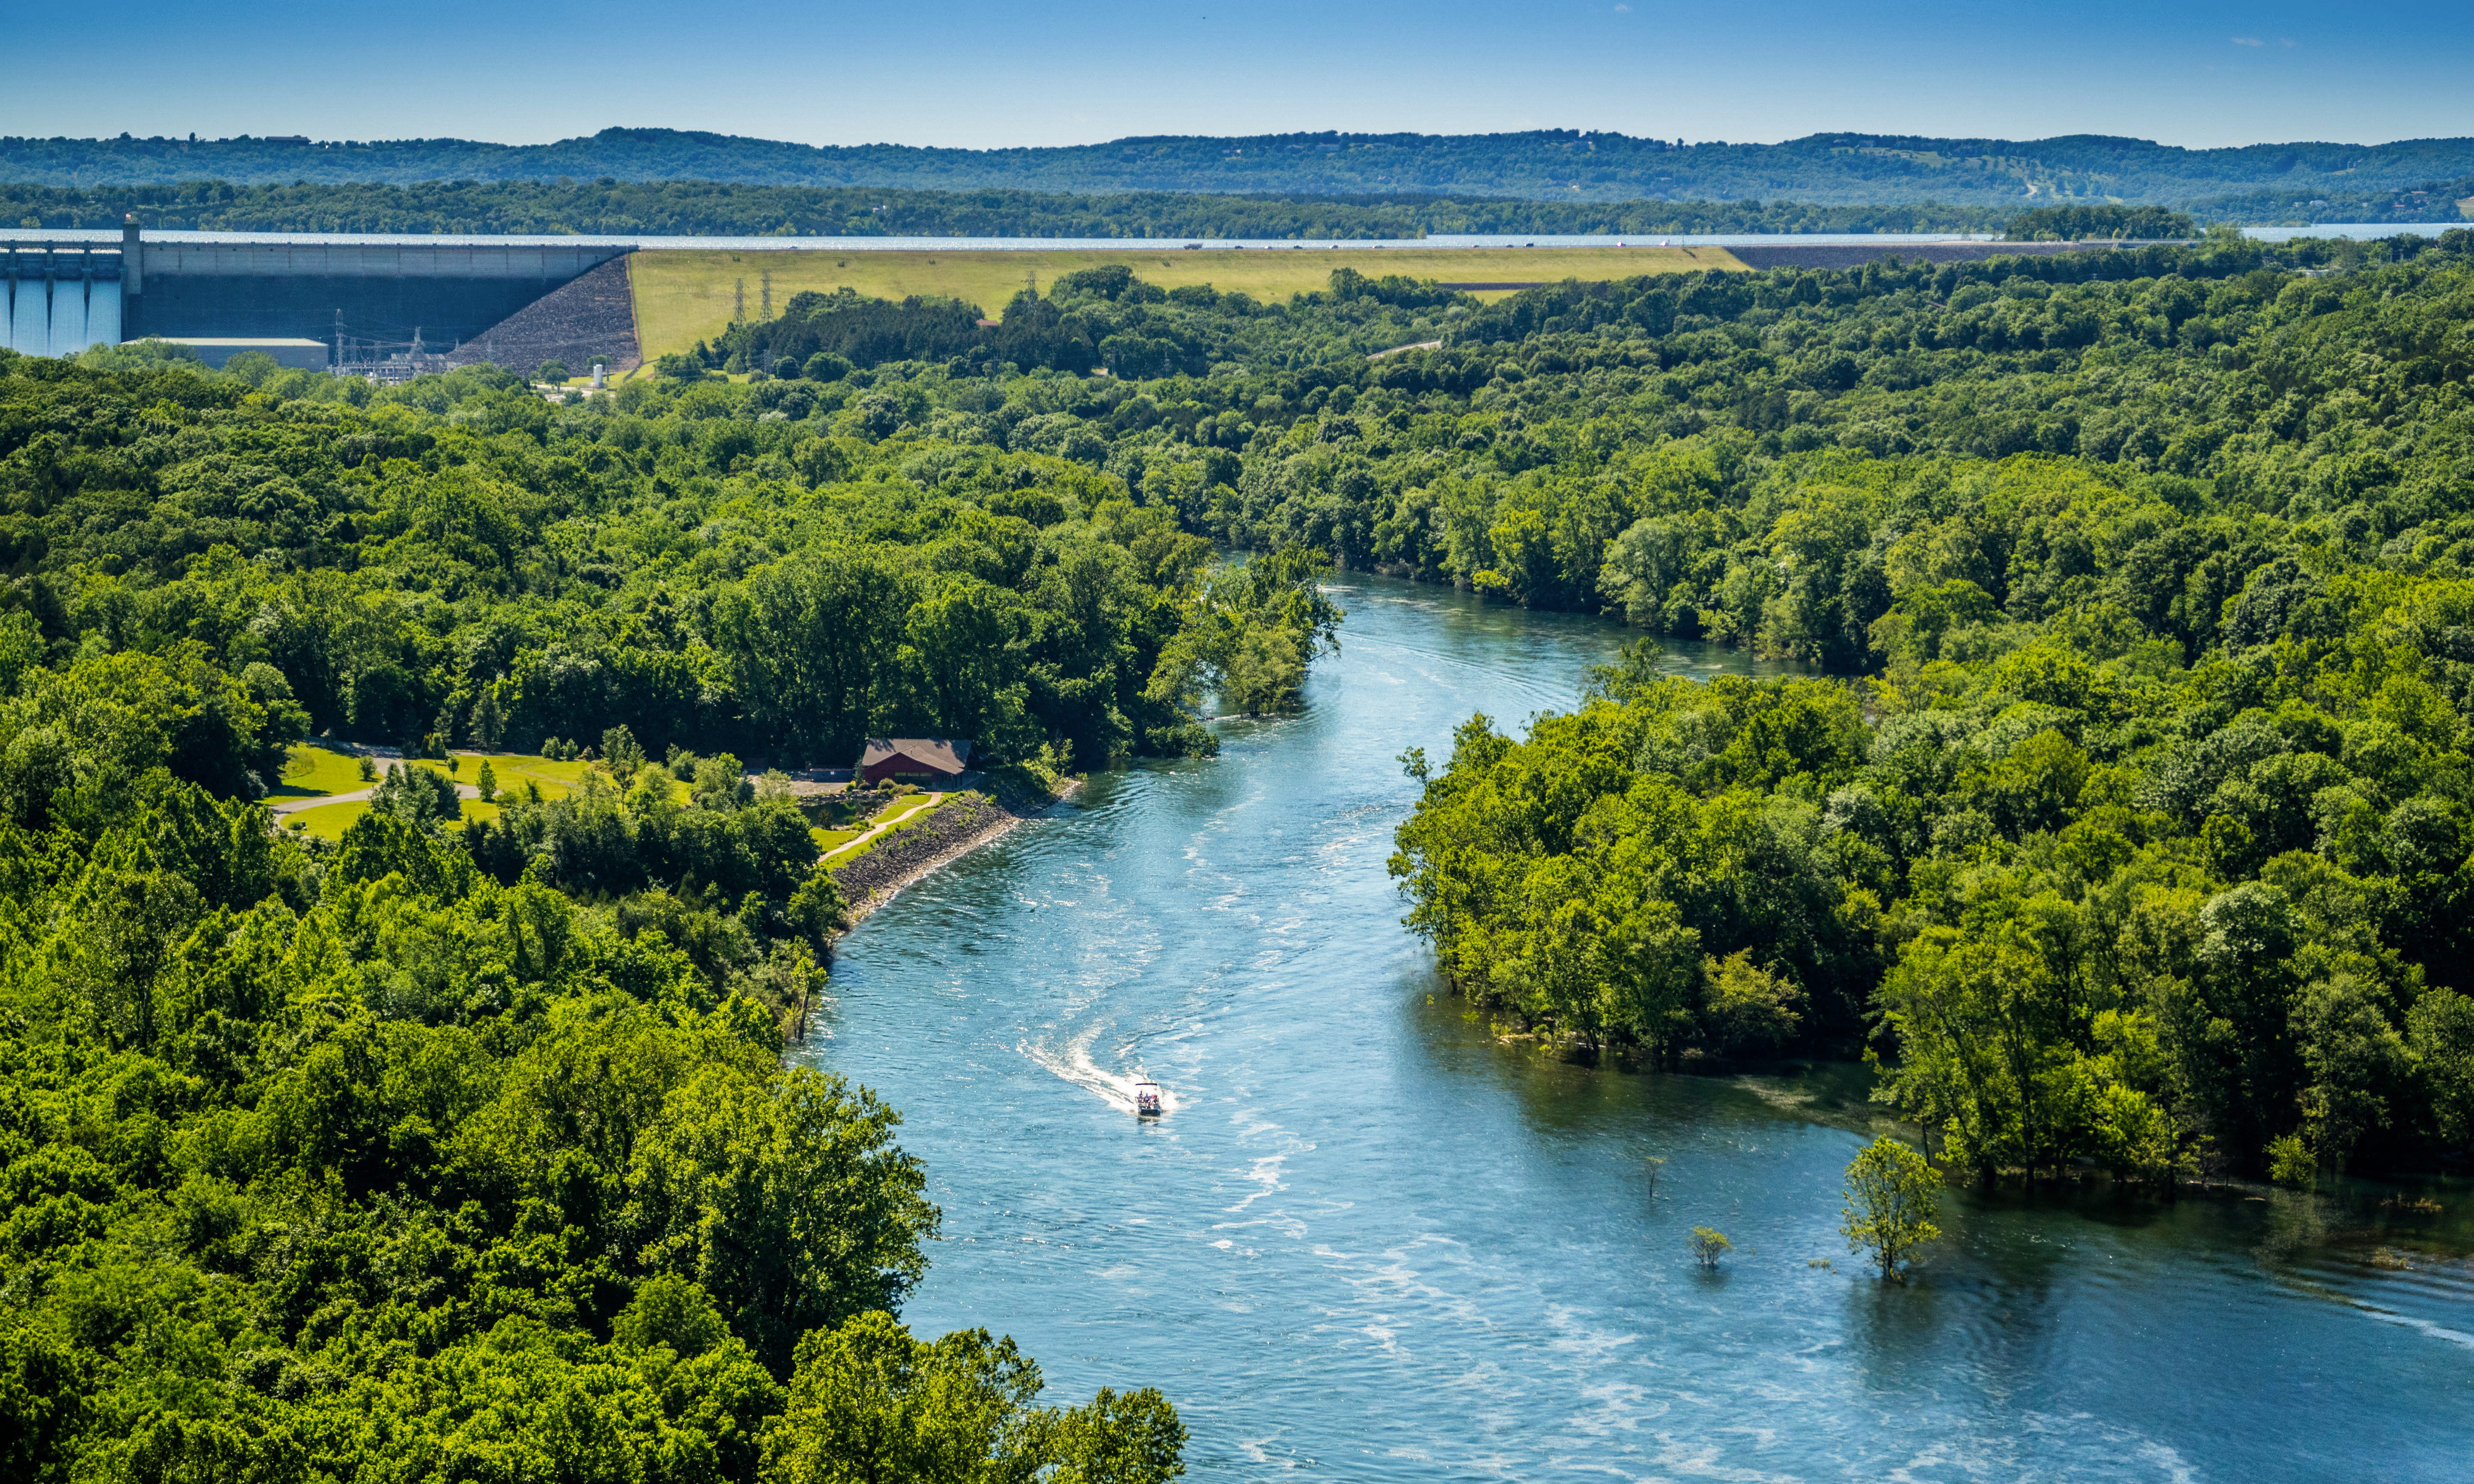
x: 2119, y: 808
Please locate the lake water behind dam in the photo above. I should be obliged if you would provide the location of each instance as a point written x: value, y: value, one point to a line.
x: 1369, y: 1242
x: 774, y: 244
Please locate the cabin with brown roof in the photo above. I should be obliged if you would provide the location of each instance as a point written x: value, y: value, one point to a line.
x: 926, y: 758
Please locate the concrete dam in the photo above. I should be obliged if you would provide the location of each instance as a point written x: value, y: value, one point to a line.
x: 360, y: 300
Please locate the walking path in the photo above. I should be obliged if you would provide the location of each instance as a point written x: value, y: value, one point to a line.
x: 881, y: 826
x: 293, y: 806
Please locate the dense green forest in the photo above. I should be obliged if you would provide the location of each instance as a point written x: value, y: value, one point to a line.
x: 2122, y: 810
x: 1560, y: 164
x: 612, y: 207
x: 2125, y: 810
x: 465, y: 1149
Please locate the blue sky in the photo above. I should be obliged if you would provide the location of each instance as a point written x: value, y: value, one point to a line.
x: 976, y: 73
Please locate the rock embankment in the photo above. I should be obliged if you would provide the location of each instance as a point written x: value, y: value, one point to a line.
x: 593, y: 316
x: 956, y: 830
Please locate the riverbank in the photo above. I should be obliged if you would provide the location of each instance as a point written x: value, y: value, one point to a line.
x: 954, y: 832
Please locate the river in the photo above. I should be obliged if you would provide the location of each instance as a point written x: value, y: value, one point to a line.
x: 1369, y: 1242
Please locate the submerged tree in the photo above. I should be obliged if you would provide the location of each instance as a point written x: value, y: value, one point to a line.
x: 1890, y: 1191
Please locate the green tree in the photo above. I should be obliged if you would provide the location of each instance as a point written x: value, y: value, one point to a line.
x: 2441, y: 1032
x: 787, y: 1201
x: 620, y: 753
x: 869, y: 1404
x: 1119, y: 1438
x: 1747, y: 1010
x: 419, y: 795
x: 1890, y: 1196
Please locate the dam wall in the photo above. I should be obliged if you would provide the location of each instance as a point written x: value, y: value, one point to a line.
x: 58, y: 297
x: 383, y: 293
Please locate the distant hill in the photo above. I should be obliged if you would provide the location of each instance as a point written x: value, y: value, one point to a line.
x: 1545, y: 164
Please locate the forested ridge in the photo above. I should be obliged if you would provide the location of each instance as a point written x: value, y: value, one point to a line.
x: 1558, y: 165
x: 2125, y: 813
x: 612, y: 207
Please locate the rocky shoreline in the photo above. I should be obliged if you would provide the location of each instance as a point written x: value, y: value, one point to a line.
x: 954, y: 832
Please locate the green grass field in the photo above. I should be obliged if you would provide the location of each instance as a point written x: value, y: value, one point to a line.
x: 330, y: 821
x: 314, y: 771
x: 686, y: 296
x: 326, y: 821
x: 513, y: 771
x: 311, y: 771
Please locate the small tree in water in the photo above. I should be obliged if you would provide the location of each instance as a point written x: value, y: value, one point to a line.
x: 1890, y: 1192
x: 1709, y: 1245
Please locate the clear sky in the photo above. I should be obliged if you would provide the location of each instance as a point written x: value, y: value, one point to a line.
x: 978, y: 74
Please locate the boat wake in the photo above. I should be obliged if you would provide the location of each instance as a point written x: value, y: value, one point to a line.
x: 1075, y: 1065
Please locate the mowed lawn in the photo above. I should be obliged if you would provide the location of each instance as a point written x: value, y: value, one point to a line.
x: 686, y: 296
x: 511, y: 770
x: 310, y: 771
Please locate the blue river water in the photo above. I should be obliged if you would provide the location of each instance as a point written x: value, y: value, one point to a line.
x: 1369, y: 1241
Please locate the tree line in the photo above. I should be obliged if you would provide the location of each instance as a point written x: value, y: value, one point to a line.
x: 2078, y: 223
x: 609, y: 207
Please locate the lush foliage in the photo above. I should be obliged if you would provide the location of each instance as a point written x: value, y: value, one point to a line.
x: 360, y: 1164
x: 769, y: 570
x: 1889, y: 1210
x: 2145, y: 842
x: 1558, y: 165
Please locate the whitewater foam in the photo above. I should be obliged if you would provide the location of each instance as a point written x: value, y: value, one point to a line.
x: 1075, y: 1065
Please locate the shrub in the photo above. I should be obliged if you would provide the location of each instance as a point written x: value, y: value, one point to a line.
x: 2289, y: 1162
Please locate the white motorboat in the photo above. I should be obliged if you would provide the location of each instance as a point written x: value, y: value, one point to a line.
x: 1147, y: 1099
